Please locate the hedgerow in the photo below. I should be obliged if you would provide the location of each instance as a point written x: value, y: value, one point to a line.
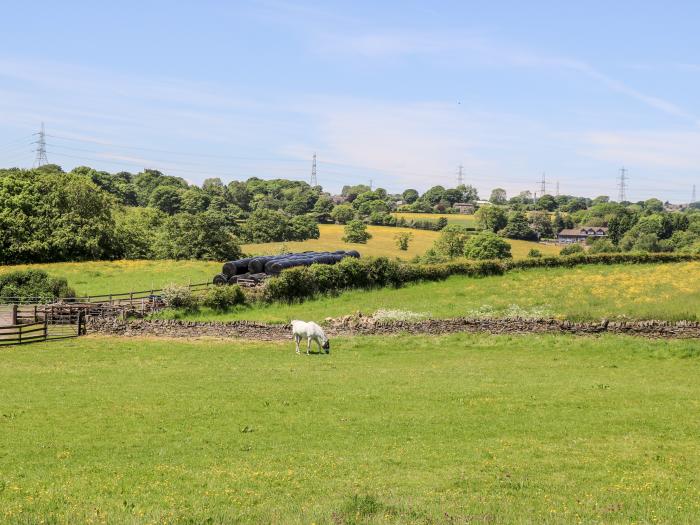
x: 299, y: 284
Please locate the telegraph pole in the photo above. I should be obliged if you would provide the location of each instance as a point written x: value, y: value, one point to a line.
x: 314, y: 181
x: 370, y: 184
x: 557, y: 188
x: 41, y: 158
x: 460, y: 175
x: 692, y: 198
x: 622, y: 185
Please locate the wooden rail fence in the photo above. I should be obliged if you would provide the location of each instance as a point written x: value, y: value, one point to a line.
x: 28, y: 320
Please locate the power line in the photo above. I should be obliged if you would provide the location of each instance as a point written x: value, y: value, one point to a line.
x: 314, y: 180
x: 41, y: 158
x: 557, y: 188
x: 543, y: 185
x: 622, y: 185
x: 460, y: 175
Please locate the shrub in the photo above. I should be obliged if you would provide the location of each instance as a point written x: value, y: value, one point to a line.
x: 28, y: 284
x: 221, y: 298
x: 534, y: 252
x: 402, y: 239
x: 356, y: 231
x: 603, y: 246
x: 452, y: 241
x: 571, y: 249
x: 487, y: 245
x: 180, y: 297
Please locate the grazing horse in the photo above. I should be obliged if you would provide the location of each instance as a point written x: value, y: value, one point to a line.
x: 310, y: 331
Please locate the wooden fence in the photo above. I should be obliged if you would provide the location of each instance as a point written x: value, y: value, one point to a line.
x: 54, y: 322
x: 111, y: 299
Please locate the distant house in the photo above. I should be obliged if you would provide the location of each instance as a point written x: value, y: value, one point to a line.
x: 339, y: 199
x: 581, y: 234
x: 464, y: 207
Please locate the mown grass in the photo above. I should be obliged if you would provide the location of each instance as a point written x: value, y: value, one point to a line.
x: 382, y: 243
x: 454, y: 429
x: 103, y: 277
x: 452, y: 218
x: 659, y: 291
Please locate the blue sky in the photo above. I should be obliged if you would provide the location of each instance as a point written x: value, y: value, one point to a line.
x: 397, y: 92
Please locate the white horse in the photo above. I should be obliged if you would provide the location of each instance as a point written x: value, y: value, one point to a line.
x: 310, y: 331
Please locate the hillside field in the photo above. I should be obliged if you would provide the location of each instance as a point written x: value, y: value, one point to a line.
x: 623, y: 291
x: 452, y: 218
x: 103, y: 277
x: 382, y: 243
x: 489, y: 429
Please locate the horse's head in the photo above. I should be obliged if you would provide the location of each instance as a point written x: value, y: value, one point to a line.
x: 327, y: 346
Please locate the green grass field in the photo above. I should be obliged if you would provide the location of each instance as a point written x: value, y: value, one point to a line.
x: 456, y: 429
x: 646, y: 291
x: 103, y: 277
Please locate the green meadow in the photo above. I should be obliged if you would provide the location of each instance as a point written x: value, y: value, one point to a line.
x: 453, y: 429
x: 623, y: 291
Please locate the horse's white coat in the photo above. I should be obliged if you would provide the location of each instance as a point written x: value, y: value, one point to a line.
x: 311, y: 332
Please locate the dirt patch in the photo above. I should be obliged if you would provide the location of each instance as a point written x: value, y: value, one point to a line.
x: 365, y: 325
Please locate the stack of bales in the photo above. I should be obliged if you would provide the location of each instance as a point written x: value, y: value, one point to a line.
x: 257, y: 268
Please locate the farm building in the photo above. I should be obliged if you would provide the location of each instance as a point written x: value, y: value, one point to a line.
x: 581, y: 234
x: 464, y: 207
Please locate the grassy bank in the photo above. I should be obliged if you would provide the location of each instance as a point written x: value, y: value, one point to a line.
x: 649, y: 291
x: 384, y: 430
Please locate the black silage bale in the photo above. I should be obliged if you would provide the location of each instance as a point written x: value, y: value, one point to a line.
x: 220, y: 279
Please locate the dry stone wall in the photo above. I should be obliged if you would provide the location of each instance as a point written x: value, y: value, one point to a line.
x: 366, y: 325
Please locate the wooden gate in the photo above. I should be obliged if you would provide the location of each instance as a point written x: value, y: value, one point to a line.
x: 43, y: 324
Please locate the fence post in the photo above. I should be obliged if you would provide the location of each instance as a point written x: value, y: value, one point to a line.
x: 35, y: 314
x: 19, y: 333
x: 46, y: 327
x: 13, y: 315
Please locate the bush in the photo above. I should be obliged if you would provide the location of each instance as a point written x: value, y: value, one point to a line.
x: 28, y: 284
x: 221, y: 298
x: 180, y: 297
x: 452, y: 240
x: 487, y: 245
x: 402, y: 239
x: 571, y: 249
x: 356, y: 231
x: 603, y: 246
x: 534, y: 252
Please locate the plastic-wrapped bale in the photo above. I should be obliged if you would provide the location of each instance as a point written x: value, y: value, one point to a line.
x: 277, y: 266
x: 220, y: 279
x: 268, y: 269
x: 237, y: 267
x: 257, y: 264
x: 353, y: 253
